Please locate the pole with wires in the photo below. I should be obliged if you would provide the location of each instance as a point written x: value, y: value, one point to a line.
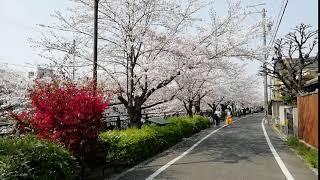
x: 73, y: 60
x: 265, y: 62
x: 95, y: 44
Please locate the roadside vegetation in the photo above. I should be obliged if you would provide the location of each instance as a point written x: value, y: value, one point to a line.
x: 62, y: 137
x: 310, y: 155
x: 28, y: 157
x: 133, y: 145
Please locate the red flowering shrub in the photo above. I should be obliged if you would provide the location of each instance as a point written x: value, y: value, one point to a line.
x: 68, y: 114
x: 23, y: 124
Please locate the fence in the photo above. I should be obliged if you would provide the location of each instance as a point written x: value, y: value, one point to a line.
x: 109, y: 122
x: 308, y: 118
x: 123, y: 121
x: 120, y: 121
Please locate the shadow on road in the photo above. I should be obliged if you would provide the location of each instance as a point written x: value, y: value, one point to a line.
x: 243, y: 141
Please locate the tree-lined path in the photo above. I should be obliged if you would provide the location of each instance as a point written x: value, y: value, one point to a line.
x: 239, y: 151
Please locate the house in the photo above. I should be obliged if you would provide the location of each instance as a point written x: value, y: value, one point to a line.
x: 44, y: 72
x: 310, y: 75
x: 311, y: 85
x: 310, y: 72
x: 41, y: 73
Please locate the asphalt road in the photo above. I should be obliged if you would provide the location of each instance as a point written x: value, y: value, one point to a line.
x: 236, y: 152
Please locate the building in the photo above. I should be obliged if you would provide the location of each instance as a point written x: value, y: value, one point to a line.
x: 44, y: 72
x: 309, y: 72
x: 310, y: 75
x: 311, y: 85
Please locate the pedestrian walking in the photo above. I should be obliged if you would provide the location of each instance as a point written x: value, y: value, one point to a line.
x: 217, y: 119
x: 229, y: 119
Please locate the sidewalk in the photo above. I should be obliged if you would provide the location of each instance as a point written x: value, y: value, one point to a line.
x: 284, y: 137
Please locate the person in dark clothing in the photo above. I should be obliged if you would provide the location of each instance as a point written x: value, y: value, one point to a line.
x: 217, y: 119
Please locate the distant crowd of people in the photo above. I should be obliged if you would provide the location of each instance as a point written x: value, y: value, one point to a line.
x: 222, y: 115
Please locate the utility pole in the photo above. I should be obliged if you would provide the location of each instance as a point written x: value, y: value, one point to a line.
x: 270, y: 89
x: 265, y: 62
x: 265, y: 54
x: 74, y: 57
x: 95, y: 44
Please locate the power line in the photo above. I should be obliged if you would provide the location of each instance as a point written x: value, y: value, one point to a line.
x: 277, y: 21
x: 277, y: 18
x: 277, y: 27
x: 17, y: 65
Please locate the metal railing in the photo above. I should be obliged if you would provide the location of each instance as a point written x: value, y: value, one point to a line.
x: 122, y: 121
x: 6, y: 128
x: 109, y: 122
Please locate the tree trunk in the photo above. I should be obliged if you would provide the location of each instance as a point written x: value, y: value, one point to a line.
x: 190, y: 113
x: 234, y: 110
x: 135, y: 116
x: 214, y: 108
x: 188, y: 106
x: 197, y: 109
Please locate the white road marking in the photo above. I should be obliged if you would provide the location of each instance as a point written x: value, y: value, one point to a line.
x: 155, y: 174
x: 282, y: 166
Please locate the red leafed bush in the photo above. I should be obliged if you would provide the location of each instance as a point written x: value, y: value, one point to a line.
x: 23, y: 125
x: 68, y: 114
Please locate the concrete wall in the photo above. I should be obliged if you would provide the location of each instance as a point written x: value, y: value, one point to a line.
x: 275, y: 111
x: 282, y: 114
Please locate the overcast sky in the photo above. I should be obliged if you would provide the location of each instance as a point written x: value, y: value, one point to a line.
x: 18, y: 19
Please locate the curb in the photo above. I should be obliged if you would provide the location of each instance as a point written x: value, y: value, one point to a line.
x: 280, y: 135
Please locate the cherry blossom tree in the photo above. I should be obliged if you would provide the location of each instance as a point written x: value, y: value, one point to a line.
x: 13, y: 89
x: 232, y: 89
x: 146, y: 45
x: 137, y: 41
x: 213, y: 48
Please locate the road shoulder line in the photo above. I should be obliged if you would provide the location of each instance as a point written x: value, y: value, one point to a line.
x: 156, y: 173
x: 281, y: 164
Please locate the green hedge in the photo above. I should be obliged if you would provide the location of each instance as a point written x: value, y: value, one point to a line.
x: 133, y: 145
x: 30, y: 158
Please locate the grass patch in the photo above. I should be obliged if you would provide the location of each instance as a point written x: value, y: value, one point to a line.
x: 308, y: 154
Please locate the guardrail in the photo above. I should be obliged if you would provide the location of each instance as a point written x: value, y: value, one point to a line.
x: 109, y: 122
x: 122, y: 121
x: 6, y: 128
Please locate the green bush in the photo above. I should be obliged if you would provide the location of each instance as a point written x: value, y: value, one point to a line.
x: 168, y: 135
x: 310, y: 155
x: 185, y: 124
x: 133, y: 145
x: 201, y: 122
x: 192, y: 125
x: 30, y: 158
